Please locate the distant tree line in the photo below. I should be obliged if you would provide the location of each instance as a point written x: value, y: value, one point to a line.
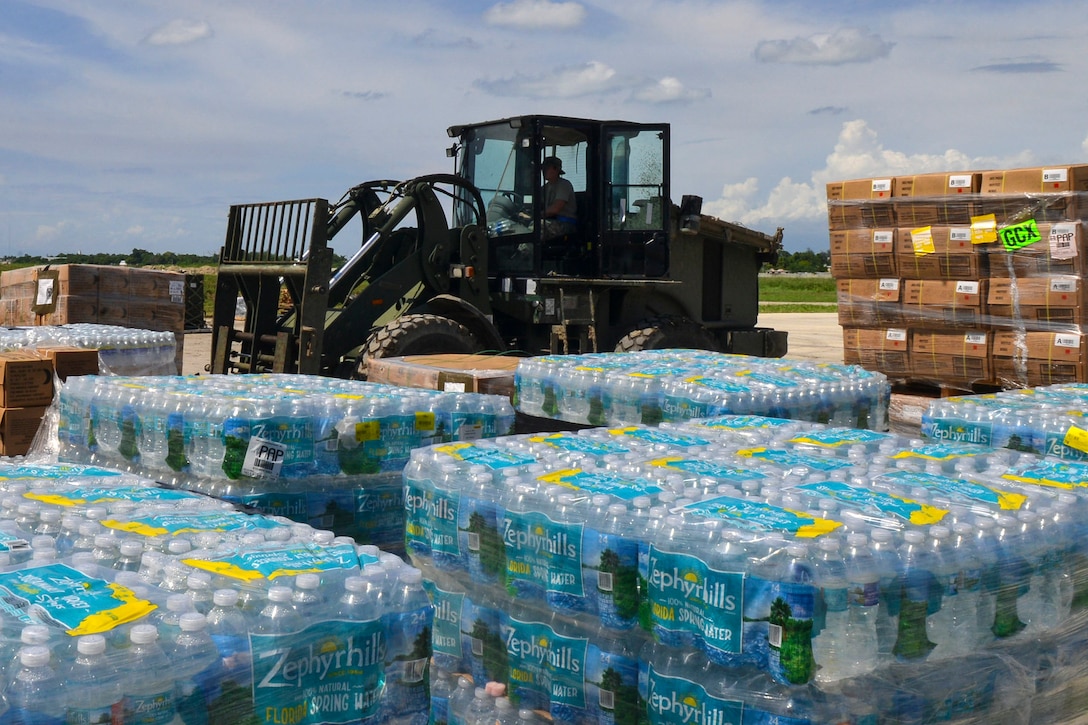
x: 135, y: 258
x: 806, y: 261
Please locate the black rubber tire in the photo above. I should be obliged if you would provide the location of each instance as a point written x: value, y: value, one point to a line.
x: 667, y: 332
x: 417, y: 334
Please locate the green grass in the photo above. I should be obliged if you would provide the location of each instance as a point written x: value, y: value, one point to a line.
x: 797, y: 289
x: 797, y: 307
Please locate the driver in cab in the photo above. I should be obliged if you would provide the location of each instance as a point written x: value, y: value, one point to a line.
x: 560, y: 206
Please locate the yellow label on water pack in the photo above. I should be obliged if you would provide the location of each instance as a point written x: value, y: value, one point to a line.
x: 1076, y: 438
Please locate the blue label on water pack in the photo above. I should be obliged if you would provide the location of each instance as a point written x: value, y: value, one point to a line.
x: 679, y: 701
x: 446, y: 632
x: 625, y: 488
x: 1046, y: 472
x: 743, y: 422
x: 580, y: 444
x: 758, y: 516
x: 839, y: 437
x: 959, y: 431
x: 270, y: 564
x: 958, y: 487
x: 789, y: 459
x: 544, y: 552
x: 493, y: 458
x: 876, y: 502
x: 56, y: 472
x: 943, y: 452
x: 191, y: 523
x: 566, y: 677
x: 432, y: 519
x: 718, y: 385
x: 329, y: 672
x: 289, y: 505
x: 1054, y: 446
x: 690, y: 601
x: 710, y: 469
x: 527, y: 647
x: 660, y: 437
x: 98, y: 495
x: 60, y: 596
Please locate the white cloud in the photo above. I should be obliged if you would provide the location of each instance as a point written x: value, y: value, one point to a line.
x: 846, y: 45
x: 180, y: 32
x: 536, y: 14
x: 48, y: 232
x: 669, y: 90
x: 857, y: 154
x: 570, y: 82
x: 135, y: 230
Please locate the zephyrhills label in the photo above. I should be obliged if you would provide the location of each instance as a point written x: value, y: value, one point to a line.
x: 543, y: 551
x: 329, y: 672
x: 688, y: 596
x: 675, y: 700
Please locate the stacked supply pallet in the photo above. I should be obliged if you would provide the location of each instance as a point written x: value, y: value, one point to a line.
x: 968, y: 280
x: 141, y: 299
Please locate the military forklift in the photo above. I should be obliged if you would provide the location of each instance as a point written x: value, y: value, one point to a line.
x: 461, y: 263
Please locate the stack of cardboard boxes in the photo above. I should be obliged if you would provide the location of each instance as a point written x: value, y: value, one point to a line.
x: 143, y: 299
x: 26, y: 390
x: 963, y: 280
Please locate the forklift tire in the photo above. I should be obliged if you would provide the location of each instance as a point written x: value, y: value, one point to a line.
x: 667, y: 332
x: 417, y: 334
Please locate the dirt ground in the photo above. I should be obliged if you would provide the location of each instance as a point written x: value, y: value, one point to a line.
x: 814, y: 336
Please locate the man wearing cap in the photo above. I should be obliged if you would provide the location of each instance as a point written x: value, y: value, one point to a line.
x: 560, y: 206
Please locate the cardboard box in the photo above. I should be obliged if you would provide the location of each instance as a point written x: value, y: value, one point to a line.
x: 489, y: 374
x: 70, y: 361
x: 943, y: 304
x: 936, y: 199
x: 1059, y: 250
x: 943, y: 357
x: 869, y: 302
x: 26, y: 380
x: 858, y: 253
x: 1037, y: 303
x: 18, y: 426
x: 938, y: 252
x: 1043, y: 193
x: 1030, y: 359
x: 860, y: 203
x: 885, y: 350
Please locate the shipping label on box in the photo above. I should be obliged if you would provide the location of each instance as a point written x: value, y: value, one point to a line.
x: 26, y: 380
x: 860, y: 203
x: 862, y: 253
x: 1058, y: 249
x: 1043, y: 303
x: 943, y: 357
x: 938, y: 252
x: 885, y: 350
x: 942, y: 198
x: 869, y: 302
x: 1029, y: 359
x: 939, y: 303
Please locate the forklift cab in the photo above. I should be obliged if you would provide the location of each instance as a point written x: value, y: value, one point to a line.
x: 620, y: 175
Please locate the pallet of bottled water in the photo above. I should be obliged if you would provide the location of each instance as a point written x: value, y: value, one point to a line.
x: 121, y: 350
x: 325, y: 452
x: 653, y: 386
x: 1047, y: 420
x: 125, y: 602
x: 745, y: 564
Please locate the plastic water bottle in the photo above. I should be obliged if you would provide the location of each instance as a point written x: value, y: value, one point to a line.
x: 309, y: 597
x: 279, y: 616
x: 460, y: 699
x: 227, y: 627
x: 863, y: 605
x: 408, y: 618
x: 918, y: 589
x: 886, y: 557
x: 829, y: 646
x: 790, y: 660
x: 37, y: 696
x: 481, y: 708
x: 952, y: 628
x: 442, y: 688
x: 93, y: 684
x: 147, y: 681
x: 197, y: 671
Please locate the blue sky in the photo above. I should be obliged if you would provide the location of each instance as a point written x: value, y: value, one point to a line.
x: 136, y: 124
